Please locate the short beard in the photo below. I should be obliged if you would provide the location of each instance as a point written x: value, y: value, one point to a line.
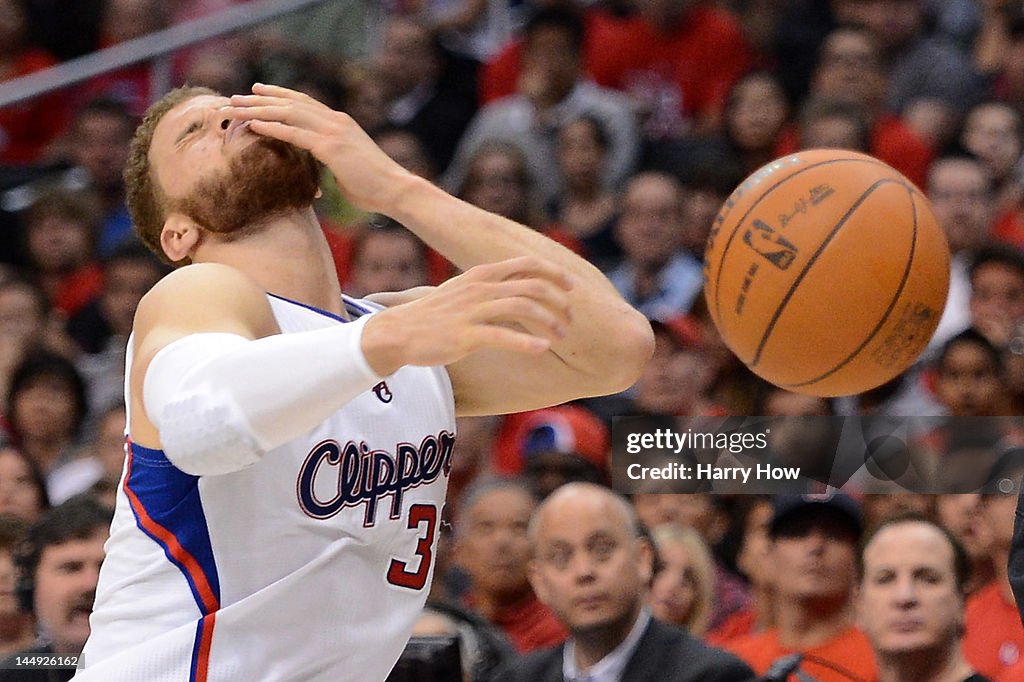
x: 267, y: 178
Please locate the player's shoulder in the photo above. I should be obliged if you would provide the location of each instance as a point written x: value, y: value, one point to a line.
x: 203, y: 290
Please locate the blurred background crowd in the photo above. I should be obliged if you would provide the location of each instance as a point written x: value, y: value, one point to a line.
x: 617, y: 128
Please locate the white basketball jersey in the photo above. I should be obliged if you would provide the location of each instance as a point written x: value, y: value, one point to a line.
x: 312, y: 564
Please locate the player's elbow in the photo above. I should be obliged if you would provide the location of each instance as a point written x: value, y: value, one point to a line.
x: 628, y: 349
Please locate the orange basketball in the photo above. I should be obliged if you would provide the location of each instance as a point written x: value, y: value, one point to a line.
x: 826, y: 272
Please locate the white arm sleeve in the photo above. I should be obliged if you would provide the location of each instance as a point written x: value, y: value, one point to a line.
x: 220, y: 401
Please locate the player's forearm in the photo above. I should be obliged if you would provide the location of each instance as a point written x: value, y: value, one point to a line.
x: 606, y: 333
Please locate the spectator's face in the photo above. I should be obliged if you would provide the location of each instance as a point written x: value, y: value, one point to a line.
x: 997, y: 513
x: 674, y: 591
x: 492, y: 544
x: 961, y: 515
x: 990, y: 133
x: 695, y: 511
x: 672, y: 379
x: 997, y: 298
x: 961, y: 199
x: 44, y: 409
x: 813, y: 558
x: 781, y: 403
x: 18, y: 493
x: 100, y: 145
x: 58, y: 244
x: 968, y: 384
x: 650, y: 228
x: 405, y: 58
x: 580, y: 155
x: 496, y: 183
x: 757, y: 109
x: 909, y: 600
x: 849, y: 69
x: 664, y: 13
x: 12, y: 24
x: 65, y: 589
x: 125, y: 283
x: 388, y: 262
x: 21, y: 317
x: 588, y: 566
x: 550, y: 56
x: 756, y: 546
x: 129, y: 19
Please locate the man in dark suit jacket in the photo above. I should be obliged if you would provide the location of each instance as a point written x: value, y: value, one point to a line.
x: 592, y: 565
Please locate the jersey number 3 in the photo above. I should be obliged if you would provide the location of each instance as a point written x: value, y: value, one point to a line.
x: 397, y: 572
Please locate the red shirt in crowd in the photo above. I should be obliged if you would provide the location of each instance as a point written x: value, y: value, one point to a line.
x: 529, y: 625
x: 678, y: 77
x: 849, y: 650
x: 994, y: 640
x: 27, y: 127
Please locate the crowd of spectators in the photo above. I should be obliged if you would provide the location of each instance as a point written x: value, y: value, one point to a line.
x: 618, y: 128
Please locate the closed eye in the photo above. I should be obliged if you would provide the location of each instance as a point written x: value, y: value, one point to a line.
x: 193, y: 127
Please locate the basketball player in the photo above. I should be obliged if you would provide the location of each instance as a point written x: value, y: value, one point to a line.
x: 288, y: 446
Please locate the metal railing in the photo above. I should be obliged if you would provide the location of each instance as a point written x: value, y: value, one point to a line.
x: 155, y: 47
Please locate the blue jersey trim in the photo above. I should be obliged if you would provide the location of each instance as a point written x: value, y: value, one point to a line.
x: 170, y: 504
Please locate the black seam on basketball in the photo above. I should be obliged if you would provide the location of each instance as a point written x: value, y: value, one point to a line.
x: 888, y: 310
x: 810, y: 263
x: 728, y: 243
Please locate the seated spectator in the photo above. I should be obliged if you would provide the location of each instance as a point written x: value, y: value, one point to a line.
x: 26, y: 128
x: 756, y: 114
x: 961, y: 197
x: 17, y: 629
x: 752, y: 560
x: 586, y: 208
x: 911, y: 601
x: 961, y: 515
x: 60, y: 232
x: 992, y: 132
x: 669, y: 57
x: 683, y: 584
x: 997, y: 293
x: 59, y: 568
x: 592, y: 566
x: 47, y: 408
x: 813, y: 549
x: 552, y: 93
x: 994, y: 638
x: 387, y: 258
x: 969, y: 377
x: 493, y: 549
x: 22, y: 487
x: 657, y: 275
x: 561, y: 445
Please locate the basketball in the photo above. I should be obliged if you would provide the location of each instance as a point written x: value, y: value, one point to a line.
x: 826, y: 272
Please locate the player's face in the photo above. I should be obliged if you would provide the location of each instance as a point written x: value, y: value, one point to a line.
x: 588, y: 566
x: 65, y: 589
x: 908, y: 599
x: 223, y: 177
x: 814, y: 557
x: 193, y: 141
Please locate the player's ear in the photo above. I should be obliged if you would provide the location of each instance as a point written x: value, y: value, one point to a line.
x: 179, y: 237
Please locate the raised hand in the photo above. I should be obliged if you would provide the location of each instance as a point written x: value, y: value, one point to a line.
x: 365, y: 174
x: 518, y: 305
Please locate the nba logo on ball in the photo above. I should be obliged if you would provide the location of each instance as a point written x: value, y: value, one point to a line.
x: 826, y: 272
